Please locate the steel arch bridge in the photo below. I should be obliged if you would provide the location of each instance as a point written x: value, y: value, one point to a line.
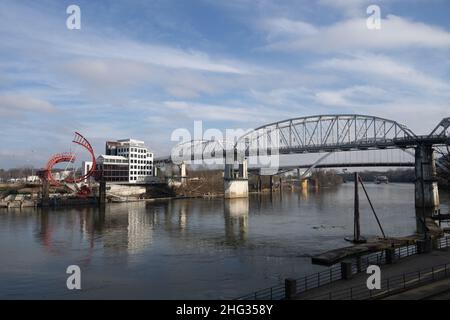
x: 328, y: 133
x: 312, y: 134
x: 442, y: 130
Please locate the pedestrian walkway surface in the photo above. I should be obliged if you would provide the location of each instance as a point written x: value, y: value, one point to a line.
x: 434, y: 291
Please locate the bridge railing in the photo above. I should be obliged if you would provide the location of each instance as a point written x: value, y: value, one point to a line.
x: 334, y: 273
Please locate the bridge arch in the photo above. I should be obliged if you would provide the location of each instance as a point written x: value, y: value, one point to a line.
x: 309, y: 134
x: 327, y: 133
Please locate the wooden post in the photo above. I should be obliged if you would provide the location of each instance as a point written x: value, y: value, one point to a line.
x: 281, y: 185
x: 390, y: 255
x: 45, y: 193
x: 357, y: 230
x: 102, y: 193
x: 346, y: 270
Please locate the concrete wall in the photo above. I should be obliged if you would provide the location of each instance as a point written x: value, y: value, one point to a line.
x: 235, y: 188
x: 426, y: 189
x: 125, y: 191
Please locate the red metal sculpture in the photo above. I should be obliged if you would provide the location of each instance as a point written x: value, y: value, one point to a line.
x: 70, y: 158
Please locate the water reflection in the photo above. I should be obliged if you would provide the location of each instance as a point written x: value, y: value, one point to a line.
x: 127, y: 228
x: 236, y: 220
x: 177, y: 249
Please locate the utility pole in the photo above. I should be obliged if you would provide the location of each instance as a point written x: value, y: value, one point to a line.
x: 357, y: 230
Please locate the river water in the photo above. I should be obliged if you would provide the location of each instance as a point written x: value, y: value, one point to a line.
x: 188, y: 249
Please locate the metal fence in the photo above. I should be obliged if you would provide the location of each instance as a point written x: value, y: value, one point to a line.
x: 392, y: 285
x: 304, y: 284
x: 334, y: 273
x: 443, y: 242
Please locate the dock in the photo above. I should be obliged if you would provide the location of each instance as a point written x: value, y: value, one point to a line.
x: 332, y: 257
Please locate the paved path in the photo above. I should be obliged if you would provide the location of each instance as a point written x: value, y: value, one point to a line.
x: 439, y: 290
x: 405, y: 265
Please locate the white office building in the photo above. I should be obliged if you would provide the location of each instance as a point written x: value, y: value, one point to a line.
x: 126, y: 161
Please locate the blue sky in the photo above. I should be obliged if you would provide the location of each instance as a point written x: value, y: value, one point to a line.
x: 145, y: 68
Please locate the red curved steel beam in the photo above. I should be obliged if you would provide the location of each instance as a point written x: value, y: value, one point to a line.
x: 70, y: 157
x: 82, y: 141
x: 55, y: 159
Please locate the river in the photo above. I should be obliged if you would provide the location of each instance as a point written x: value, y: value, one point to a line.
x: 188, y: 249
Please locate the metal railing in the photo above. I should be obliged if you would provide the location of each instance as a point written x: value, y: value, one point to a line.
x: 334, y: 273
x: 304, y: 284
x: 443, y: 242
x: 392, y: 285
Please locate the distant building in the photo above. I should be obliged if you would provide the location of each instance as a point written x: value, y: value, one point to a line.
x: 126, y: 161
x: 33, y: 179
x: 86, y: 167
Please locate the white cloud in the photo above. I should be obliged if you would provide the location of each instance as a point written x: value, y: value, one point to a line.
x: 32, y: 29
x: 281, y: 26
x: 199, y: 111
x: 15, y: 104
x: 352, y: 97
x: 100, y: 75
x: 353, y: 34
x: 374, y: 67
x: 106, y: 77
x: 230, y: 113
x: 349, y: 7
x: 155, y: 55
x: 420, y: 114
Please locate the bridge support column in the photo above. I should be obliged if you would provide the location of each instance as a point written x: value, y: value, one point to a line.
x: 183, y: 173
x: 236, y: 185
x: 426, y: 188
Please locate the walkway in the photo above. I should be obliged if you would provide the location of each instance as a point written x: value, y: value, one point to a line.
x: 409, y: 264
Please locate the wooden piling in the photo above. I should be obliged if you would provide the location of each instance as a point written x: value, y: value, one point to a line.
x: 357, y: 228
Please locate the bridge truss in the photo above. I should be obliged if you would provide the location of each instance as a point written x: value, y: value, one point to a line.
x: 329, y: 133
x: 312, y: 134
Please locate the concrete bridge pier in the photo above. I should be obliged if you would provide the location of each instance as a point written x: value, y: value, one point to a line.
x: 426, y: 188
x: 236, y: 183
x: 183, y: 173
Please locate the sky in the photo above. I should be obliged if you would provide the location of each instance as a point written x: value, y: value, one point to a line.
x: 144, y: 68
